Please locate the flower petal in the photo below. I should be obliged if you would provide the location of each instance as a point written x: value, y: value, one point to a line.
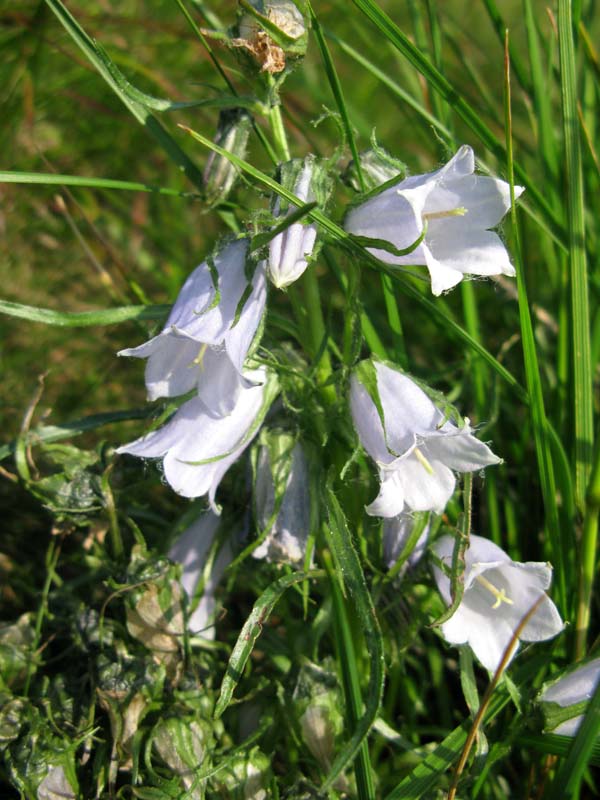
x: 367, y: 422
x: 240, y: 336
x: 396, y: 534
x: 390, y: 500
x: 195, y: 435
x: 485, y: 200
x: 408, y: 411
x: 461, y: 452
x: 575, y: 687
x: 458, y: 246
x: 192, y: 313
x: 191, y: 548
x: 170, y: 370
x: 442, y: 276
x: 426, y: 488
x: 219, y: 382
x: 394, y: 215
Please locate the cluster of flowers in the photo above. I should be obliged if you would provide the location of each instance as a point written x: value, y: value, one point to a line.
x: 206, y: 347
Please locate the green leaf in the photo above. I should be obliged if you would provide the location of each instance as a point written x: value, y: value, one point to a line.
x: 56, y: 433
x: 83, y: 319
x: 51, y: 179
x: 251, y: 631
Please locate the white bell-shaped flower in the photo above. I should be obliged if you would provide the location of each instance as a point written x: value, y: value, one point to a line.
x: 458, y: 207
x: 571, y: 690
x: 198, y: 446
x: 191, y: 551
x: 290, y: 250
x: 498, y: 593
x: 290, y: 525
x: 416, y: 448
x: 397, y: 532
x: 206, y: 339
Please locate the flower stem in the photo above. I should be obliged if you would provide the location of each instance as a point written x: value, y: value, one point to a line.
x: 277, y: 127
x: 587, y: 567
x: 317, y: 333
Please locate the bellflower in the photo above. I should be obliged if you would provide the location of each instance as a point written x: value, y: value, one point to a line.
x: 396, y: 535
x: 288, y: 477
x: 416, y: 448
x: 289, y: 251
x: 191, y: 551
x: 206, y: 339
x: 458, y: 208
x: 498, y: 592
x: 198, y: 446
x: 571, y: 690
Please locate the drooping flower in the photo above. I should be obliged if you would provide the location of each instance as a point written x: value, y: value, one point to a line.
x: 458, y: 208
x: 191, y: 551
x: 282, y: 499
x: 573, y: 689
x: 198, y: 446
x: 206, y: 339
x: 290, y: 250
x: 397, y: 532
x: 498, y: 593
x: 416, y: 448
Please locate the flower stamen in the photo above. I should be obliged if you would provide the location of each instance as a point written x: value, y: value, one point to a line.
x: 423, y: 461
x: 499, y: 594
x: 200, y: 357
x: 452, y: 212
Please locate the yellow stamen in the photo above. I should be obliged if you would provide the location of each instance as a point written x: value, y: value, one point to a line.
x: 499, y: 594
x: 452, y: 212
x: 199, y: 358
x: 423, y: 461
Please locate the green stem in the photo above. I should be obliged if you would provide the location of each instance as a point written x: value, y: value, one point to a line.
x: 317, y: 332
x: 350, y: 677
x: 278, y: 129
x: 480, y: 379
x: 587, y: 567
x: 51, y: 562
x: 393, y: 315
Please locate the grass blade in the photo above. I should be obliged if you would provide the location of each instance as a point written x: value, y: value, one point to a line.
x: 143, y: 116
x: 351, y: 679
x: 580, y: 315
x: 83, y: 319
x: 349, y: 571
x: 50, y: 179
x: 533, y: 378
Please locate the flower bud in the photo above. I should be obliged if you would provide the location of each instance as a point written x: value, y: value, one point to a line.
x: 564, y: 701
x: 232, y: 135
x: 282, y: 498
x: 377, y: 167
x: 183, y: 744
x: 246, y: 777
x: 292, y: 249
